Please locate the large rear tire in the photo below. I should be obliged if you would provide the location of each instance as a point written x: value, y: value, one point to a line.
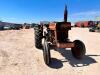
x: 79, y: 50
x: 38, y: 37
x: 46, y: 52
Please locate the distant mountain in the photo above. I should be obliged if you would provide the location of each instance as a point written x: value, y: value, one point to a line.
x: 44, y: 22
x: 5, y: 23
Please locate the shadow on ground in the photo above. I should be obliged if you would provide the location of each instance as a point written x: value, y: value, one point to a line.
x: 86, y: 61
x: 55, y: 63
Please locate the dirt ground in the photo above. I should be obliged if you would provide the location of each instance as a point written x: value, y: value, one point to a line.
x: 18, y: 55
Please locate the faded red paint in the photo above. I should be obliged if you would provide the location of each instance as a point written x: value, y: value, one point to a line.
x: 84, y: 23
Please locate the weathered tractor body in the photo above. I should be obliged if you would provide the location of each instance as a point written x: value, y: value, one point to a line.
x: 56, y: 35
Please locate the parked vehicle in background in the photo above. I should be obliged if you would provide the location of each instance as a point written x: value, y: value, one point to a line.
x: 92, y: 29
x: 1, y: 27
x: 95, y: 28
x: 17, y: 26
x: 84, y: 23
x: 27, y: 26
x: 33, y: 24
x: 7, y: 27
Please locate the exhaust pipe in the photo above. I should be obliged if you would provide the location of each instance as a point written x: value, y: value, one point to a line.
x: 65, y: 14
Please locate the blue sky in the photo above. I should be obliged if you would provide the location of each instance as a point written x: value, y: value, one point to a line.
x: 20, y: 11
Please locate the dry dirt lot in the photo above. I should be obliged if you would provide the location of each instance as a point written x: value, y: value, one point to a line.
x: 18, y: 55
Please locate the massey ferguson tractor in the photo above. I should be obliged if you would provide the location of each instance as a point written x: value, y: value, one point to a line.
x: 56, y: 35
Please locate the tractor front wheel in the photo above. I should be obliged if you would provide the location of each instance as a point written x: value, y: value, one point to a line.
x: 79, y: 49
x: 46, y: 52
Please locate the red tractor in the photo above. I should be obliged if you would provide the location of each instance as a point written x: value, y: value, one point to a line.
x: 56, y: 35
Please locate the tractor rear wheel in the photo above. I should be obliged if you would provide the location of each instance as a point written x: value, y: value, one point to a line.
x: 79, y: 50
x: 38, y: 37
x: 46, y: 52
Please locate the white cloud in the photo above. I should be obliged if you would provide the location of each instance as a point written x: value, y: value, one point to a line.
x: 88, y: 15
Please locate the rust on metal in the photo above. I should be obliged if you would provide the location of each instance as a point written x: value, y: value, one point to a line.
x: 65, y: 45
x: 52, y: 26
